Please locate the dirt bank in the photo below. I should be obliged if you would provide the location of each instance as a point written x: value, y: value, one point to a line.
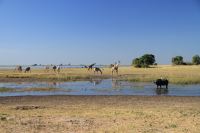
x: 99, y: 114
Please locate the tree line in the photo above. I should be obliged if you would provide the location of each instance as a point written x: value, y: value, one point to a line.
x: 149, y: 59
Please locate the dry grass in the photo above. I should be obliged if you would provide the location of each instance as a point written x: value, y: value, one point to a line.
x: 176, y: 74
x: 100, y: 114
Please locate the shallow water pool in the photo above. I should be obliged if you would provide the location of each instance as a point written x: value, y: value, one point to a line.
x: 97, y: 87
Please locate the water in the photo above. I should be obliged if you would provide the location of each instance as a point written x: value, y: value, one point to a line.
x: 99, y: 87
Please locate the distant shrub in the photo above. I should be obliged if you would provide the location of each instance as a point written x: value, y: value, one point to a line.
x: 178, y: 60
x: 196, y: 60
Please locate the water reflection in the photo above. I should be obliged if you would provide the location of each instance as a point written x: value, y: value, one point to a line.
x: 96, y: 82
x: 52, y: 84
x: 116, y: 84
x: 161, y: 91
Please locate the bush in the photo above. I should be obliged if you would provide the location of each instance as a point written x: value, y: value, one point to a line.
x: 144, y: 61
x: 178, y: 60
x: 196, y: 60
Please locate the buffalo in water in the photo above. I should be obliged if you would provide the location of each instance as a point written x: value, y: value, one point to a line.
x: 162, y: 82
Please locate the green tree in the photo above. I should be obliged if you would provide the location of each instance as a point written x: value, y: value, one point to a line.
x: 178, y: 60
x: 196, y: 60
x: 148, y: 59
x: 144, y: 61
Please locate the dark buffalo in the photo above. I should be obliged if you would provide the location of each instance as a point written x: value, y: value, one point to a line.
x: 162, y: 82
x: 28, y: 69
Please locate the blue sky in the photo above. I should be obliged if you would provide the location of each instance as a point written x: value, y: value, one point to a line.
x: 101, y: 31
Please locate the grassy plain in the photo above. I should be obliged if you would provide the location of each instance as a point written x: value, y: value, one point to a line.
x: 175, y: 74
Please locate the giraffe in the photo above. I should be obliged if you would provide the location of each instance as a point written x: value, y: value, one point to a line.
x: 115, y: 68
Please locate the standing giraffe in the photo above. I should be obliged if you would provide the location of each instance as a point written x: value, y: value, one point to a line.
x: 115, y: 68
